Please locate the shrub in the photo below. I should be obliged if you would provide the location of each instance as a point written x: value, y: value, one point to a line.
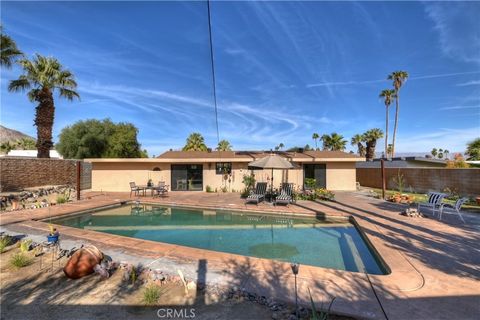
x: 20, y: 260
x: 249, y: 182
x: 310, y: 183
x: 151, y: 294
x: 4, y: 242
x: 245, y: 193
x: 25, y: 245
x: 61, y: 199
x: 324, y: 194
x: 399, y: 181
x: 319, y: 315
x: 208, y: 188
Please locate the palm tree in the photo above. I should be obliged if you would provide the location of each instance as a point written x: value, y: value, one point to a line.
x: 9, y: 51
x: 446, y: 152
x: 399, y: 78
x: 473, y: 150
x: 389, y: 150
x: 371, y: 137
x: 224, y: 145
x: 315, y: 137
x: 434, y: 152
x: 357, y: 140
x: 333, y: 142
x: 44, y: 75
x: 281, y: 146
x: 195, y: 142
x: 387, y: 95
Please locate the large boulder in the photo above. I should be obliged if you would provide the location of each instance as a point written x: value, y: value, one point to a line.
x: 83, y: 262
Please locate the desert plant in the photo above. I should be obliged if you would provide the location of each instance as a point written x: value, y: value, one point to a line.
x: 208, y: 188
x: 61, y: 199
x: 20, y: 260
x: 310, y: 183
x: 399, y: 182
x: 322, y: 315
x: 133, y: 275
x: 249, y: 182
x: 151, y: 294
x: 4, y: 242
x: 25, y: 245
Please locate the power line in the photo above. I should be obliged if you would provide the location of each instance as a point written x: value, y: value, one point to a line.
x: 213, y: 69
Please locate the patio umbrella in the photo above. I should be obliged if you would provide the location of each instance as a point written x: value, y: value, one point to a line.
x: 272, y: 161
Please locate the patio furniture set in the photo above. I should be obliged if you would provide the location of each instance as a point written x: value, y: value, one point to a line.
x: 435, y: 202
x: 260, y: 193
x: 161, y: 189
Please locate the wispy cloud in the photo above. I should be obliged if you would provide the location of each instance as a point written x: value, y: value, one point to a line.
x: 457, y: 26
x: 460, y: 107
x: 469, y: 83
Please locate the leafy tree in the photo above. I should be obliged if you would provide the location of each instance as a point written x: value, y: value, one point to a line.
x: 434, y: 152
x: 6, y: 147
x: 399, y: 78
x: 99, y: 139
x: 26, y: 144
x: 357, y: 140
x: 8, y: 50
x: 371, y: 137
x: 333, y: 142
x: 43, y: 76
x: 224, y: 145
x: 458, y: 162
x: 440, y: 153
x: 473, y: 150
x: 387, y: 95
x: 315, y: 137
x: 195, y: 142
x: 308, y: 148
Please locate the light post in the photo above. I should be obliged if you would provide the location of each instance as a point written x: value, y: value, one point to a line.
x: 295, y: 266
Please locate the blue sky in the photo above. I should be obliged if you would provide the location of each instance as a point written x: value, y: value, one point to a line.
x: 284, y: 69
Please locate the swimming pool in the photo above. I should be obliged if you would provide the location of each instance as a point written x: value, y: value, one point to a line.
x: 326, y: 243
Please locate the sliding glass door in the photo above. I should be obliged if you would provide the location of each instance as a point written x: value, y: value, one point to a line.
x: 187, y: 177
x: 317, y: 172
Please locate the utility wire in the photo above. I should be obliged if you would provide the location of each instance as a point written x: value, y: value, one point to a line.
x: 213, y: 69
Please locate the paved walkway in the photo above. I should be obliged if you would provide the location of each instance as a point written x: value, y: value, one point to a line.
x: 434, y: 264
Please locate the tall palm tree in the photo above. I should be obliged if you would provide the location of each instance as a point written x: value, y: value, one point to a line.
x: 387, y: 95
x: 398, y: 78
x: 315, y: 137
x: 224, y: 145
x: 333, y: 142
x: 281, y: 146
x: 9, y: 51
x: 357, y: 140
x: 195, y: 142
x: 371, y: 137
x: 43, y: 76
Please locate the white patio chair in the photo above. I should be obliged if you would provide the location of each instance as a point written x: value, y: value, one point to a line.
x: 453, y: 209
x: 434, y: 201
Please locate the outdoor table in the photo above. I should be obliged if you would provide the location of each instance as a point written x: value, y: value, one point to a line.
x: 145, y: 188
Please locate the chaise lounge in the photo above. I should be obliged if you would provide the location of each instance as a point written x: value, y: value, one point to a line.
x: 259, y: 193
x: 286, y: 194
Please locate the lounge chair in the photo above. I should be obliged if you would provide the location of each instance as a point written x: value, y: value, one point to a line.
x: 259, y: 193
x: 161, y: 189
x: 434, y: 201
x: 136, y: 189
x: 286, y: 194
x: 453, y: 209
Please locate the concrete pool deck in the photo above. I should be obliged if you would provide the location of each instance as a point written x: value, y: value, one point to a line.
x: 435, y: 264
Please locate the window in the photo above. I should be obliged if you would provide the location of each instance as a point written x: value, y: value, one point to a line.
x: 223, y: 167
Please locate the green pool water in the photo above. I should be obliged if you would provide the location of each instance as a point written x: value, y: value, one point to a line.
x: 323, y: 243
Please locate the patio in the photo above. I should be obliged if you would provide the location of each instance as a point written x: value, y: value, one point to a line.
x: 435, y: 264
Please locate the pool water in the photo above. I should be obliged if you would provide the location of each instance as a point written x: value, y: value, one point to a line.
x: 327, y: 243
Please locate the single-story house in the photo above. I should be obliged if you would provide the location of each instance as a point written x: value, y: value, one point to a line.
x: 214, y: 170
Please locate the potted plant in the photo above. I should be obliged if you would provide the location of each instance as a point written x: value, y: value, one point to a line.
x: 52, y: 237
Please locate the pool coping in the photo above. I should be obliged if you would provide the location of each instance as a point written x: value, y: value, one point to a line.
x: 403, y: 277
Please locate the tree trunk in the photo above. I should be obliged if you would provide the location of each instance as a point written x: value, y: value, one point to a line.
x: 386, y: 132
x: 397, y: 106
x: 371, y: 149
x: 361, y: 149
x: 44, y: 116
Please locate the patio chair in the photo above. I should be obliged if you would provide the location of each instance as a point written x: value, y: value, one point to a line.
x: 434, y: 201
x: 136, y: 189
x: 286, y: 194
x: 453, y: 209
x: 259, y: 193
x: 161, y: 189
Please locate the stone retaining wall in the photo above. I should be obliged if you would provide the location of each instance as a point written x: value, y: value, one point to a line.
x: 464, y: 181
x: 17, y: 173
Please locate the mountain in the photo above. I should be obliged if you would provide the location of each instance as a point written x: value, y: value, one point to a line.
x: 7, y: 134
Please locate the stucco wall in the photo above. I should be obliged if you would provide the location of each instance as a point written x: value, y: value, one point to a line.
x: 115, y: 176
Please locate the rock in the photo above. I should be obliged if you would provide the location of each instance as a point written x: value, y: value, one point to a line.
x: 292, y: 317
x: 275, y: 316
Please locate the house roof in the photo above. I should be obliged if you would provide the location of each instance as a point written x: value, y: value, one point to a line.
x: 240, y: 156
